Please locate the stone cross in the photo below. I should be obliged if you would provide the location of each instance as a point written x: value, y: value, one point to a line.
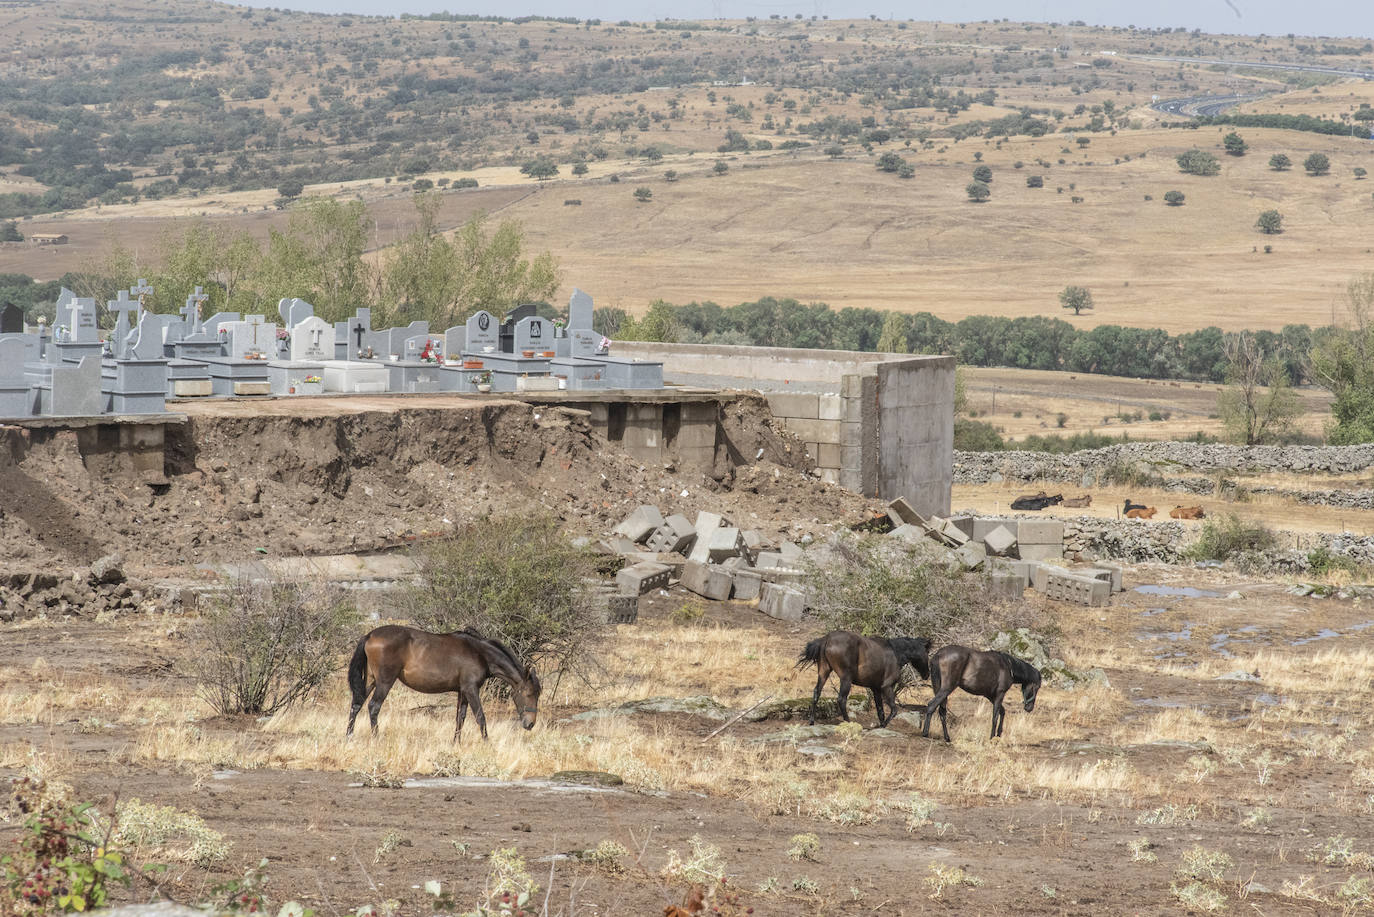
x: 143, y: 291
x: 191, y: 310
x: 122, y: 305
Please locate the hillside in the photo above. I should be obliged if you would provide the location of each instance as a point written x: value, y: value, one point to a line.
x: 188, y: 109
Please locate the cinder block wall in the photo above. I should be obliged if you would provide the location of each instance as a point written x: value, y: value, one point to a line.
x: 883, y: 424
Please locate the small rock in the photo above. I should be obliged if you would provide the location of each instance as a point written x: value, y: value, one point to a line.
x: 817, y: 751
x: 587, y: 778
x: 1238, y: 676
x: 108, y: 570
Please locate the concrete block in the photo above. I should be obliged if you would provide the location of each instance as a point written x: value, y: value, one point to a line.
x: 999, y: 540
x: 707, y: 580
x: 1007, y: 585
x: 1022, y: 568
x: 828, y: 455
x: 1114, y: 574
x: 1040, y: 531
x: 622, y: 609
x: 815, y: 431
x: 984, y: 524
x: 781, y: 602
x: 963, y: 524
x: 705, y: 524
x: 768, y: 559
x: 830, y: 407
x: 949, y: 530
x: 252, y: 388
x: 1041, y: 574
x: 722, y: 543
x: 1082, y: 590
x: 790, y: 551
x: 640, y: 578
x: 753, y: 540
x: 675, y: 534
x: 736, y: 563
x: 619, y: 544
x: 972, y: 555
x: 640, y: 524
x: 1040, y: 552
x: 900, y: 512
x: 747, y: 585
x: 786, y: 575
x: 192, y: 388
x: 794, y: 404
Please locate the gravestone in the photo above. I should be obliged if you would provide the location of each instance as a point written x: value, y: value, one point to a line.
x: 293, y: 312
x: 583, y: 343
x: 312, y: 340
x: 11, y: 319
x: 455, y: 340
x: 580, y: 310
x: 122, y: 306
x: 482, y: 332
x: 81, y: 325
x: 513, y: 317
x: 396, y: 338
x: 253, y: 335
x: 16, y: 399
x: 74, y: 390
x: 533, y: 333
x: 191, y: 311
x: 421, y: 347
x: 349, y: 336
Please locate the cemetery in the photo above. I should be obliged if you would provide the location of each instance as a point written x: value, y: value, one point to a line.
x: 148, y: 359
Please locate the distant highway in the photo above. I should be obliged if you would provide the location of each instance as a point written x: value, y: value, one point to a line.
x: 1202, y: 106
x: 1260, y: 65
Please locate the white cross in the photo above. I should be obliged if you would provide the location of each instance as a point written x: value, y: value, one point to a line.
x: 142, y: 290
x: 123, y: 305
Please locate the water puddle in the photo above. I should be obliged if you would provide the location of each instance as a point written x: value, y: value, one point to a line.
x: 1152, y: 611
x: 1268, y: 700
x: 1325, y: 633
x: 1184, y: 591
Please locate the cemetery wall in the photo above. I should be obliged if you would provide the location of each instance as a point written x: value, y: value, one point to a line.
x: 878, y: 424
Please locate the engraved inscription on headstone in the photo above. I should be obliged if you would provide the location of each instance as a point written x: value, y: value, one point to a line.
x: 483, y: 331
x: 312, y: 340
x: 533, y: 334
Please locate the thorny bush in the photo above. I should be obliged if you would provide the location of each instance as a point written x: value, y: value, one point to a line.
x: 271, y: 644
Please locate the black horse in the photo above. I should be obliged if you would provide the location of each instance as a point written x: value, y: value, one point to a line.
x: 988, y: 674
x: 869, y: 662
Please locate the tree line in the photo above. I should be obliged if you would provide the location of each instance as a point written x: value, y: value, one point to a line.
x: 1028, y: 342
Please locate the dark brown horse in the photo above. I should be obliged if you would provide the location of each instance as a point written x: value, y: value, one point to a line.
x: 988, y: 674
x: 869, y: 662
x: 435, y: 664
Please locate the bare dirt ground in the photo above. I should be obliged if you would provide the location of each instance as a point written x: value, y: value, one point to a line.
x: 1099, y: 801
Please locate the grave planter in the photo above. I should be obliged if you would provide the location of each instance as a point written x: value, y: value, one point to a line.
x: 548, y: 353
x: 310, y: 388
x: 472, y: 364
x: 483, y: 387
x: 527, y: 354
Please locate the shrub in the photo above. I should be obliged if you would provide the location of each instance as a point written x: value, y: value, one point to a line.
x: 976, y: 436
x: 882, y: 586
x: 271, y: 644
x: 168, y: 833
x: 515, y: 579
x: 1227, y: 535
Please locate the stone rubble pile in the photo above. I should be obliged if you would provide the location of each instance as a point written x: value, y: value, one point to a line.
x: 92, y: 591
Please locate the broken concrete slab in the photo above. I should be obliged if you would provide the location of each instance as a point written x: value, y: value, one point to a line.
x: 1040, y: 531
x: 782, y: 602
x: 982, y: 525
x: 706, y: 523
x: 1114, y: 573
x: 640, y: 524
x: 707, y: 580
x: 1000, y: 540
x: 912, y: 534
x: 971, y: 555
x: 949, y: 531
x: 1040, y: 552
x: 1040, y: 575
x: 642, y: 577
x: 790, y: 551
x: 1007, y: 585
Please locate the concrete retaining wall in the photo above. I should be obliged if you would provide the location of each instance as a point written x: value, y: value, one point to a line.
x: 879, y: 424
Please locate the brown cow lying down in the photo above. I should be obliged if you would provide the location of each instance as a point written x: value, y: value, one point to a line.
x: 1078, y: 502
x: 1139, y: 513
x: 1187, y: 512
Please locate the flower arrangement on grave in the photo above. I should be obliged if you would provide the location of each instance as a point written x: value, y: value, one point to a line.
x: 283, y: 334
x: 430, y: 354
x: 367, y: 354
x: 254, y: 355
x: 483, y: 378
x: 315, y: 380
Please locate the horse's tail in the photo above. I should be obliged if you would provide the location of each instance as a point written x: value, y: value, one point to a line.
x: 357, y: 671
x: 812, y: 654
x: 934, y: 676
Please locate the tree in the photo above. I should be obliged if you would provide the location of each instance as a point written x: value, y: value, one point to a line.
x: 1198, y: 162
x: 1035, y: 181
x: 1258, y: 404
x: 1317, y: 164
x: 1076, y: 298
x: 879, y: 136
x: 658, y: 324
x: 978, y: 191
x: 983, y: 174
x: 834, y: 150
x: 1235, y: 145
x: 1360, y: 173
x: 541, y: 168
x: 721, y: 167
x: 890, y: 162
x: 9, y: 231
x: 1279, y: 162
x: 291, y: 189
x: 421, y: 185
x: 896, y: 327
x: 1173, y: 198
x: 670, y: 175
x: 579, y: 168
x: 644, y: 195
x: 1270, y: 222
x: 1343, y: 363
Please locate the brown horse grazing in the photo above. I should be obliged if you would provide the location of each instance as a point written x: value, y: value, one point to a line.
x: 869, y: 662
x: 988, y: 674
x: 435, y: 664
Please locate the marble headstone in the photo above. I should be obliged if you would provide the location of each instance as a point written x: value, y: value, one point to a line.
x: 11, y: 319
x: 312, y: 340
x: 533, y: 333
x: 482, y: 331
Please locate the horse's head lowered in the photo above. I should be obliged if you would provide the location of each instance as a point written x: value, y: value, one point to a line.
x: 1029, y: 689
x: 526, y: 697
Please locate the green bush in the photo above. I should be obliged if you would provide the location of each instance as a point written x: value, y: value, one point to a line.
x: 517, y: 580
x: 873, y: 584
x: 976, y: 436
x: 1321, y: 560
x: 1227, y: 535
x: 271, y: 644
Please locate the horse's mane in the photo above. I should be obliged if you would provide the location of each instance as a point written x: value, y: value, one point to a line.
x: 915, y: 650
x: 498, y: 648
x: 1022, y: 672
